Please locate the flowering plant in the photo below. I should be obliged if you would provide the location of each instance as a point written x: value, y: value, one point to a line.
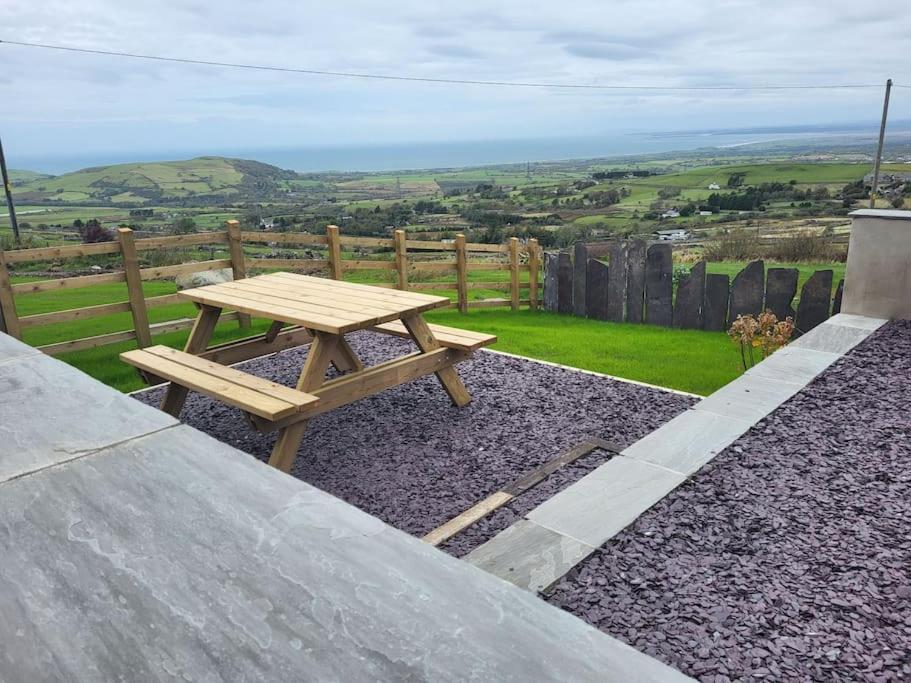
x: 764, y: 332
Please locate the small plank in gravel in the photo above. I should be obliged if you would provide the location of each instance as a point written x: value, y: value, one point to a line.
x: 635, y: 287
x: 580, y: 264
x: 659, y: 285
x: 565, y: 278
x: 747, y: 291
x: 715, y: 305
x: 596, y: 289
x: 813, y: 308
x: 780, y: 288
x: 690, y: 295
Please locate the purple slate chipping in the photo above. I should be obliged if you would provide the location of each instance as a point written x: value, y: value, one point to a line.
x: 788, y: 557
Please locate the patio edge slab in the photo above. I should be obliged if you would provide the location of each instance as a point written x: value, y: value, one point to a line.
x: 610, y: 498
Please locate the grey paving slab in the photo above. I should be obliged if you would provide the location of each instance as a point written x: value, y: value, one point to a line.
x: 832, y: 337
x: 688, y: 441
x: 175, y: 557
x: 860, y: 321
x: 794, y: 364
x: 529, y: 555
x: 749, y: 397
x: 13, y: 348
x: 606, y: 500
x: 51, y: 412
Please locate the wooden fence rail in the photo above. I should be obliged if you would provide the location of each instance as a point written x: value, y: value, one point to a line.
x: 410, y: 262
x: 637, y: 285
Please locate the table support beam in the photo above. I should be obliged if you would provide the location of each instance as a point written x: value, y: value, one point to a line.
x: 197, y: 343
x: 423, y: 336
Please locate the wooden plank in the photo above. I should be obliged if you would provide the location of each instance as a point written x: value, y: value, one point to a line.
x: 635, y: 281
x: 537, y: 475
x: 87, y: 342
x: 367, y: 265
x: 335, y: 252
x: 181, y: 240
x: 659, y: 285
x: 74, y: 314
x: 401, y: 259
x: 514, y: 273
x: 160, y: 272
x: 426, y: 340
x: 433, y: 266
x: 344, y: 299
x: 534, y: 265
x: 164, y: 300
x: 254, y: 347
x: 283, y: 238
x: 214, y: 386
x: 273, y: 390
x: 54, y: 253
x: 461, y: 273
x: 471, y: 516
x: 580, y: 266
x: 275, y: 310
x: 9, y: 318
x: 369, y: 242
x: 310, y: 265
x: 238, y: 263
x: 493, y: 303
x: 451, y: 337
x: 474, y: 265
x: 67, y: 283
x: 368, y: 291
x: 134, y: 287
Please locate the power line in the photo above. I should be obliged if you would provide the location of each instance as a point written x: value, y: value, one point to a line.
x: 449, y: 81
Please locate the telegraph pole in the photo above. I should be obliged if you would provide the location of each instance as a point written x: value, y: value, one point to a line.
x: 8, y: 189
x: 879, y: 147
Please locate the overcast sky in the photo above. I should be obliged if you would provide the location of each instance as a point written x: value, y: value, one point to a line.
x: 60, y: 103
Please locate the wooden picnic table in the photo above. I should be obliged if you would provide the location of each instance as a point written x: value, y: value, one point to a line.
x: 327, y: 310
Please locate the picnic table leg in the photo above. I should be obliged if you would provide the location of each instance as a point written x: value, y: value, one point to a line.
x: 423, y: 336
x: 197, y: 343
x: 346, y: 359
x: 323, y: 349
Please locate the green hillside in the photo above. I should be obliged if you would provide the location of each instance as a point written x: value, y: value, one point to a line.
x: 208, y: 178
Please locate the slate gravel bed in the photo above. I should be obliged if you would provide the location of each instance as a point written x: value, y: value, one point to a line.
x: 789, y: 556
x: 409, y: 457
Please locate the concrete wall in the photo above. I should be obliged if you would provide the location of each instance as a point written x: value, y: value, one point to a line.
x: 878, y: 276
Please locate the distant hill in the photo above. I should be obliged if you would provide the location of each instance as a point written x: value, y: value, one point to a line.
x: 20, y: 177
x: 168, y: 182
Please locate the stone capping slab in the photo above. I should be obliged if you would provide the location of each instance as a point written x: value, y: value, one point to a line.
x: 546, y: 555
x: 607, y: 500
x: 11, y: 348
x: 688, y: 441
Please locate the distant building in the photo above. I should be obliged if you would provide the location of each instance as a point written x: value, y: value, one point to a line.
x: 671, y: 213
x: 714, y: 186
x: 671, y: 235
x: 705, y: 213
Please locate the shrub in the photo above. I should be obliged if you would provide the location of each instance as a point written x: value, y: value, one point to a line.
x: 804, y: 246
x: 93, y: 231
x: 766, y: 333
x: 737, y: 245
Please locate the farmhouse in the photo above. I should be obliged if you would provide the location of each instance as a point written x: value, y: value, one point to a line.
x: 671, y: 213
x: 714, y: 186
x: 671, y: 235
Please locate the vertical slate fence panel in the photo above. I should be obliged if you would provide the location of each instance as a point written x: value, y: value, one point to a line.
x: 780, y: 288
x: 551, y: 282
x: 747, y: 291
x: 690, y: 296
x: 635, y: 281
x: 596, y: 280
x: 715, y: 302
x: 564, y: 283
x: 616, y: 300
x: 659, y: 286
x: 580, y: 265
x: 813, y: 307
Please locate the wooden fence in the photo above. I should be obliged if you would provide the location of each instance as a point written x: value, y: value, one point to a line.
x: 407, y: 264
x: 637, y: 285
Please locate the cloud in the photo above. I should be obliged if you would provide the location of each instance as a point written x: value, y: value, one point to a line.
x: 615, y: 51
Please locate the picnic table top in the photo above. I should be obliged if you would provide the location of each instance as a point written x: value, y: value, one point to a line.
x: 316, y: 303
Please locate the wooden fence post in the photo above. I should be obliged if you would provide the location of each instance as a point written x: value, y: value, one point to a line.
x: 401, y: 260
x: 533, y: 265
x: 134, y: 287
x: 238, y: 264
x: 514, y: 273
x: 335, y: 252
x: 9, y: 319
x: 461, y: 273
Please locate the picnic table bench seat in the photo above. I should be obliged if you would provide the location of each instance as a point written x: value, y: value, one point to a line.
x: 450, y: 337
x: 254, y: 395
